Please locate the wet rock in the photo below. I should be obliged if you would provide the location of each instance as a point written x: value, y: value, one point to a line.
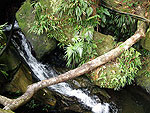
x: 8, y: 63
x: 19, y: 77
x: 41, y: 43
x: 20, y: 82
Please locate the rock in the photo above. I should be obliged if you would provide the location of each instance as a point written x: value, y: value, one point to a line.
x: 104, y: 43
x: 5, y: 111
x: 9, y: 64
x: 9, y: 59
x: 20, y: 82
x: 143, y: 77
x: 41, y: 43
x: 145, y: 42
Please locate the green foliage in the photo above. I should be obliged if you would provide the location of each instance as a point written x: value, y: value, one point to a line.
x: 130, y: 3
x: 32, y: 104
x: 82, y: 49
x: 103, y: 12
x: 146, y: 73
x: 44, y: 22
x: 75, y: 13
x: 2, y: 44
x: 128, y: 65
x: 119, y: 26
x: 75, y: 8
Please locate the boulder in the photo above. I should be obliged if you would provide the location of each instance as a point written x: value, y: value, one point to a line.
x: 8, y: 63
x: 104, y: 43
x: 5, y: 111
x: 143, y: 77
x: 145, y: 42
x: 41, y: 43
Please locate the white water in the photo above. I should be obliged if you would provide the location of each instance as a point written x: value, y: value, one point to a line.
x: 64, y: 88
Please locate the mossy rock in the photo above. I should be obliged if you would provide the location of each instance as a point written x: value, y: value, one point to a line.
x: 145, y: 42
x: 142, y: 79
x: 104, y: 43
x: 118, y: 72
x: 41, y: 43
x: 6, y: 111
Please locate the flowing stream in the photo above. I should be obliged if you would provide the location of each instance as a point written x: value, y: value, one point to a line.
x: 42, y: 72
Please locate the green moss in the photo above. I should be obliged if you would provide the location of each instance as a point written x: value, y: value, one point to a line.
x: 146, y: 41
x: 143, y: 76
x: 24, y: 16
x: 104, y: 43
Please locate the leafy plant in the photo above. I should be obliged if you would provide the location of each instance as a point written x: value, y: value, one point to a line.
x: 119, y: 26
x: 2, y: 44
x: 77, y: 8
x: 71, y: 12
x: 44, y: 22
x: 130, y: 3
x: 103, y: 12
x: 82, y: 49
x: 127, y: 64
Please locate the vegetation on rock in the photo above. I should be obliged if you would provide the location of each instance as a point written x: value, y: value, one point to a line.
x: 73, y: 24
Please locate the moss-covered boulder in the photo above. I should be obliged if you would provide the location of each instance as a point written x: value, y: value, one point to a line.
x: 146, y: 41
x: 41, y: 43
x: 143, y: 77
x: 104, y: 43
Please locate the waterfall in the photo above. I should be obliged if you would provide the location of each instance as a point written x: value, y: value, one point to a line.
x: 42, y: 73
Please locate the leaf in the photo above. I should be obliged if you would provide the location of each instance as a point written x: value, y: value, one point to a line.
x: 106, y: 12
x: 104, y: 18
x: 89, y: 11
x: 92, y: 17
x: 78, y: 12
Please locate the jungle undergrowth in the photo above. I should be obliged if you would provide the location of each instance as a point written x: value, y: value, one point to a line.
x: 80, y: 46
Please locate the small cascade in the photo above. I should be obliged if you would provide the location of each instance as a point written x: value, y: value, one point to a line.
x: 42, y: 72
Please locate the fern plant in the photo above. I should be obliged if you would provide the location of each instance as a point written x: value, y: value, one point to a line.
x: 82, y: 49
x: 122, y: 72
x: 77, y: 8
